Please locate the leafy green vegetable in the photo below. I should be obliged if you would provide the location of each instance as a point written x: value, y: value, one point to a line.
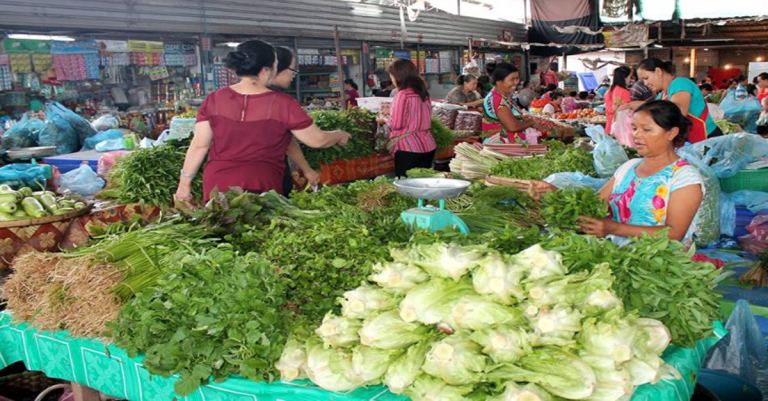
x: 540, y: 167
x: 428, y: 388
x: 503, y: 343
x: 515, y: 392
x: 405, y: 369
x: 443, y: 135
x: 562, y: 209
x: 389, y: 331
x: 499, y: 279
x: 456, y: 360
x: 364, y: 301
x: 432, y: 302
x: 338, y: 331
x: 326, y: 367
x: 476, y: 313
x: 360, y: 123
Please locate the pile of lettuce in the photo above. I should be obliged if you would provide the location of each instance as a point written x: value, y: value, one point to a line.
x: 449, y: 322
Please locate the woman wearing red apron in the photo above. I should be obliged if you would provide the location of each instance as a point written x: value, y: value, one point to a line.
x: 502, y: 120
x: 659, y: 76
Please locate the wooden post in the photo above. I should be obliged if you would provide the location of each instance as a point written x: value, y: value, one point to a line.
x: 340, y: 63
x: 82, y: 393
x: 693, y: 63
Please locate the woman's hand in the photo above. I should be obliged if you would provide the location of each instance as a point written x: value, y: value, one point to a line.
x: 381, y: 121
x: 538, y: 188
x: 344, y: 137
x: 183, y: 193
x: 599, y: 228
x: 312, y: 176
x: 633, y: 105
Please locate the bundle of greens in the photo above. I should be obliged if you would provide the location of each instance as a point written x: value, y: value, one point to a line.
x: 360, y: 123
x: 540, y: 167
x: 563, y: 209
x: 151, y: 176
x: 443, y: 135
x: 472, y: 162
x: 477, y: 327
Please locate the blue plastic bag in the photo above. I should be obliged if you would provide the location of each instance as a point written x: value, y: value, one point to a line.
x: 729, y: 154
x: 608, y: 155
x: 26, y: 175
x: 80, y: 125
x: 105, y: 123
x: 576, y: 180
x: 91, y: 142
x: 755, y: 201
x: 741, y: 111
x: 58, y: 132
x: 82, y: 181
x: 708, y: 227
x: 23, y: 134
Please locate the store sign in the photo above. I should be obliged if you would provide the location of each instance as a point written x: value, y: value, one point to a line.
x: 80, y: 47
x: 114, y: 46
x: 383, y: 53
x: 144, y: 46
x: 26, y: 46
x: 335, y: 82
x: 179, y: 48
x: 403, y: 54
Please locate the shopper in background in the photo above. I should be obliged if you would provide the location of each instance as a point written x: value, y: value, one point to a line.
x: 659, y: 76
x: 569, y: 103
x: 524, y: 97
x: 286, y: 73
x: 706, y: 91
x: 762, y: 86
x: 484, y: 86
x: 465, y: 92
x: 741, y: 92
x: 639, y: 90
x: 410, y: 120
x: 350, y: 90
x: 551, y: 88
x: 617, y: 95
x: 245, y: 129
x: 502, y: 119
x: 550, y: 77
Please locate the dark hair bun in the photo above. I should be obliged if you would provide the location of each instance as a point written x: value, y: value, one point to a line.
x: 251, y: 58
x: 667, y: 115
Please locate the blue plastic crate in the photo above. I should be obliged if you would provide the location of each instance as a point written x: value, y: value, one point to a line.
x: 66, y: 163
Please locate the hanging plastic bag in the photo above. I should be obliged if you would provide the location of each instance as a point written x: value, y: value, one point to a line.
x: 82, y: 181
x: 23, y: 134
x: 382, y: 138
x: 707, y: 229
x: 622, y: 128
x: 608, y: 154
x: 727, y: 215
x: 576, y: 180
x: 729, y: 154
x: 472, y: 69
x: 742, y: 351
x: 105, y: 123
x: 743, y: 112
x: 715, y: 112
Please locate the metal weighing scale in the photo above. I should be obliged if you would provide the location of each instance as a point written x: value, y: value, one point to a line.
x: 427, y: 216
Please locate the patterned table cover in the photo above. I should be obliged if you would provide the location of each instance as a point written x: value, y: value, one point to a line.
x: 109, y: 370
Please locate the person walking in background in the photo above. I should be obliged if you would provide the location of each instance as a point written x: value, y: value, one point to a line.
x: 350, y: 90
x: 616, y: 95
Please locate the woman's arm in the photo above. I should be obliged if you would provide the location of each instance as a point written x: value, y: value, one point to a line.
x: 398, y: 118
x: 297, y: 156
x: 683, y: 101
x: 314, y: 137
x: 196, y: 153
x: 474, y: 103
x: 511, y: 123
x: 633, y: 105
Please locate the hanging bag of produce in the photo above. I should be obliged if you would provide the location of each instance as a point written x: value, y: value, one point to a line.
x: 608, y: 154
x: 622, y: 128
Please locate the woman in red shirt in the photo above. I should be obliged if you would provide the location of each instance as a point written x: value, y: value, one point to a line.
x: 617, y: 95
x: 350, y: 90
x: 245, y: 129
x: 762, y: 84
x: 410, y: 120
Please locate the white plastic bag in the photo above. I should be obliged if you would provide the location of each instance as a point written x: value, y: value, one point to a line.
x: 622, y: 128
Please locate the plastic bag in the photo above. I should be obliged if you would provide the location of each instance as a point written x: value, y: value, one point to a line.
x: 707, y: 229
x: 472, y: 69
x: 91, y: 142
x: 81, y: 126
x: 382, y: 138
x: 743, y: 112
x: 622, y: 128
x: 105, y: 123
x: 147, y: 143
x: 742, y: 351
x: 18, y: 176
x: 755, y: 201
x: 756, y: 242
x: 446, y: 113
x: 608, y: 154
x: 469, y: 121
x: 715, y: 112
x: 82, y: 181
x: 23, y: 134
x: 108, y: 160
x: 729, y: 154
x: 727, y: 215
x: 59, y: 132
x: 576, y: 180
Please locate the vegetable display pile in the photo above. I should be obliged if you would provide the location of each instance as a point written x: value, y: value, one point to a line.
x: 540, y: 167
x: 728, y: 127
x: 562, y: 209
x: 445, y: 322
x: 360, y: 123
x: 25, y: 204
x: 443, y: 135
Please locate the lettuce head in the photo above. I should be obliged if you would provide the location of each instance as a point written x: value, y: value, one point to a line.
x: 474, y: 312
x: 338, y: 331
x: 398, y: 276
x: 504, y: 344
x: 432, y: 302
x: 365, y: 301
x: 499, y: 279
x: 406, y: 368
x: 457, y: 360
x: 389, y: 331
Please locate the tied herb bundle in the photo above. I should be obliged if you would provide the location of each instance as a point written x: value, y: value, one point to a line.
x: 556, y: 160
x: 562, y: 209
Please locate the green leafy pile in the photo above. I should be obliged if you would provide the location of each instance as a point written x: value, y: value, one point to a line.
x: 563, y: 209
x: 556, y: 160
x: 360, y: 123
x: 214, y: 313
x: 151, y: 175
x: 443, y: 135
x: 448, y: 322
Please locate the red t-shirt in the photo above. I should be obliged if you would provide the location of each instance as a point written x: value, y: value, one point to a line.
x: 352, y: 97
x: 250, y: 136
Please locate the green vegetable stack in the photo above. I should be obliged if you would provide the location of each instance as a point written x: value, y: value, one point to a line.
x: 563, y: 209
x: 540, y: 167
x: 443, y: 135
x: 25, y: 204
x: 360, y: 123
x: 445, y: 322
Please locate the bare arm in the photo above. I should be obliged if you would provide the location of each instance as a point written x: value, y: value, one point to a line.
x: 296, y: 155
x: 511, y: 123
x: 196, y: 153
x: 605, y: 191
x: 683, y: 100
x: 314, y: 137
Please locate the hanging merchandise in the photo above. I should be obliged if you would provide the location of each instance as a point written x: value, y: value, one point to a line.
x: 6, y: 80
x: 70, y: 67
x: 92, y: 70
x: 21, y: 63
x: 42, y: 62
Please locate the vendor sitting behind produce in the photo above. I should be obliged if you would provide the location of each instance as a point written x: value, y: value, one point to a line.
x: 659, y: 191
x: 555, y: 105
x: 247, y: 128
x: 502, y: 119
x: 465, y: 93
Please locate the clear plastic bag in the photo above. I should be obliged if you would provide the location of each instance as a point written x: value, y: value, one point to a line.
x: 727, y: 215
x: 742, y: 351
x: 621, y: 128
x: 743, y: 112
x: 91, y: 142
x: 576, y: 180
x: 23, y: 134
x: 729, y: 154
x: 82, y: 181
x: 105, y: 123
x: 608, y: 154
x: 708, y: 227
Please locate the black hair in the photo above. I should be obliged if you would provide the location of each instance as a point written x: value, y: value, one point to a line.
x: 741, y: 78
x: 489, y: 68
x: 251, y: 58
x: 752, y: 89
x: 555, y: 95
x: 464, y: 79
x: 573, y: 94
x: 707, y: 87
x: 284, y: 58
x: 620, y: 76
x: 583, y: 95
x: 500, y: 71
x: 351, y: 83
x: 763, y: 75
x: 651, y: 64
x: 667, y: 115
x: 484, y: 80
x: 551, y: 87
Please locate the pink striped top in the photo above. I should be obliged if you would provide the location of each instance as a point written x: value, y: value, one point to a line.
x: 411, y: 114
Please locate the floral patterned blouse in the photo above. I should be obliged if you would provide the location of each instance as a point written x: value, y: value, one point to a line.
x: 643, y: 201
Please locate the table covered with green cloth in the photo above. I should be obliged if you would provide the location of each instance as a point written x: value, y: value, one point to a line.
x: 109, y: 370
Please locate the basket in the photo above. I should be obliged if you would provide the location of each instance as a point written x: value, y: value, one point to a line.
x: 751, y: 180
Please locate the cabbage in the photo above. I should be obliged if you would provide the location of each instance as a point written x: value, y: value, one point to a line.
x: 557, y: 371
x: 476, y: 313
x: 556, y: 326
x: 601, y: 301
x: 431, y: 302
x: 515, y: 392
x: 612, y: 383
x: 644, y: 370
x: 405, y: 369
x: 368, y: 365
x: 293, y: 360
x: 389, y: 331
x: 339, y: 331
x: 610, y: 337
x: 427, y: 388
x: 456, y: 360
x: 365, y: 301
x: 441, y: 260
x: 399, y: 276
x: 540, y: 263
x: 653, y: 336
x: 503, y: 344
x: 574, y: 289
x: 324, y: 367
x: 499, y: 279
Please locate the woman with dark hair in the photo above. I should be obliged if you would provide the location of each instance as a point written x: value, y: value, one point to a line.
x: 660, y: 77
x: 410, y: 120
x: 617, y: 95
x: 286, y: 72
x: 247, y: 128
x: 655, y: 192
x: 484, y: 86
x: 465, y: 92
x: 350, y: 90
x: 555, y: 105
x: 502, y: 119
x: 762, y: 85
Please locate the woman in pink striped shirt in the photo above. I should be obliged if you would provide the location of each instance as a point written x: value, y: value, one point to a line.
x: 410, y: 120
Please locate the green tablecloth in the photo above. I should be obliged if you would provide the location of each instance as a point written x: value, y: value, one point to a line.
x: 109, y: 370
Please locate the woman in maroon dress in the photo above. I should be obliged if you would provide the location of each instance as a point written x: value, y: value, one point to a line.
x: 245, y: 129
